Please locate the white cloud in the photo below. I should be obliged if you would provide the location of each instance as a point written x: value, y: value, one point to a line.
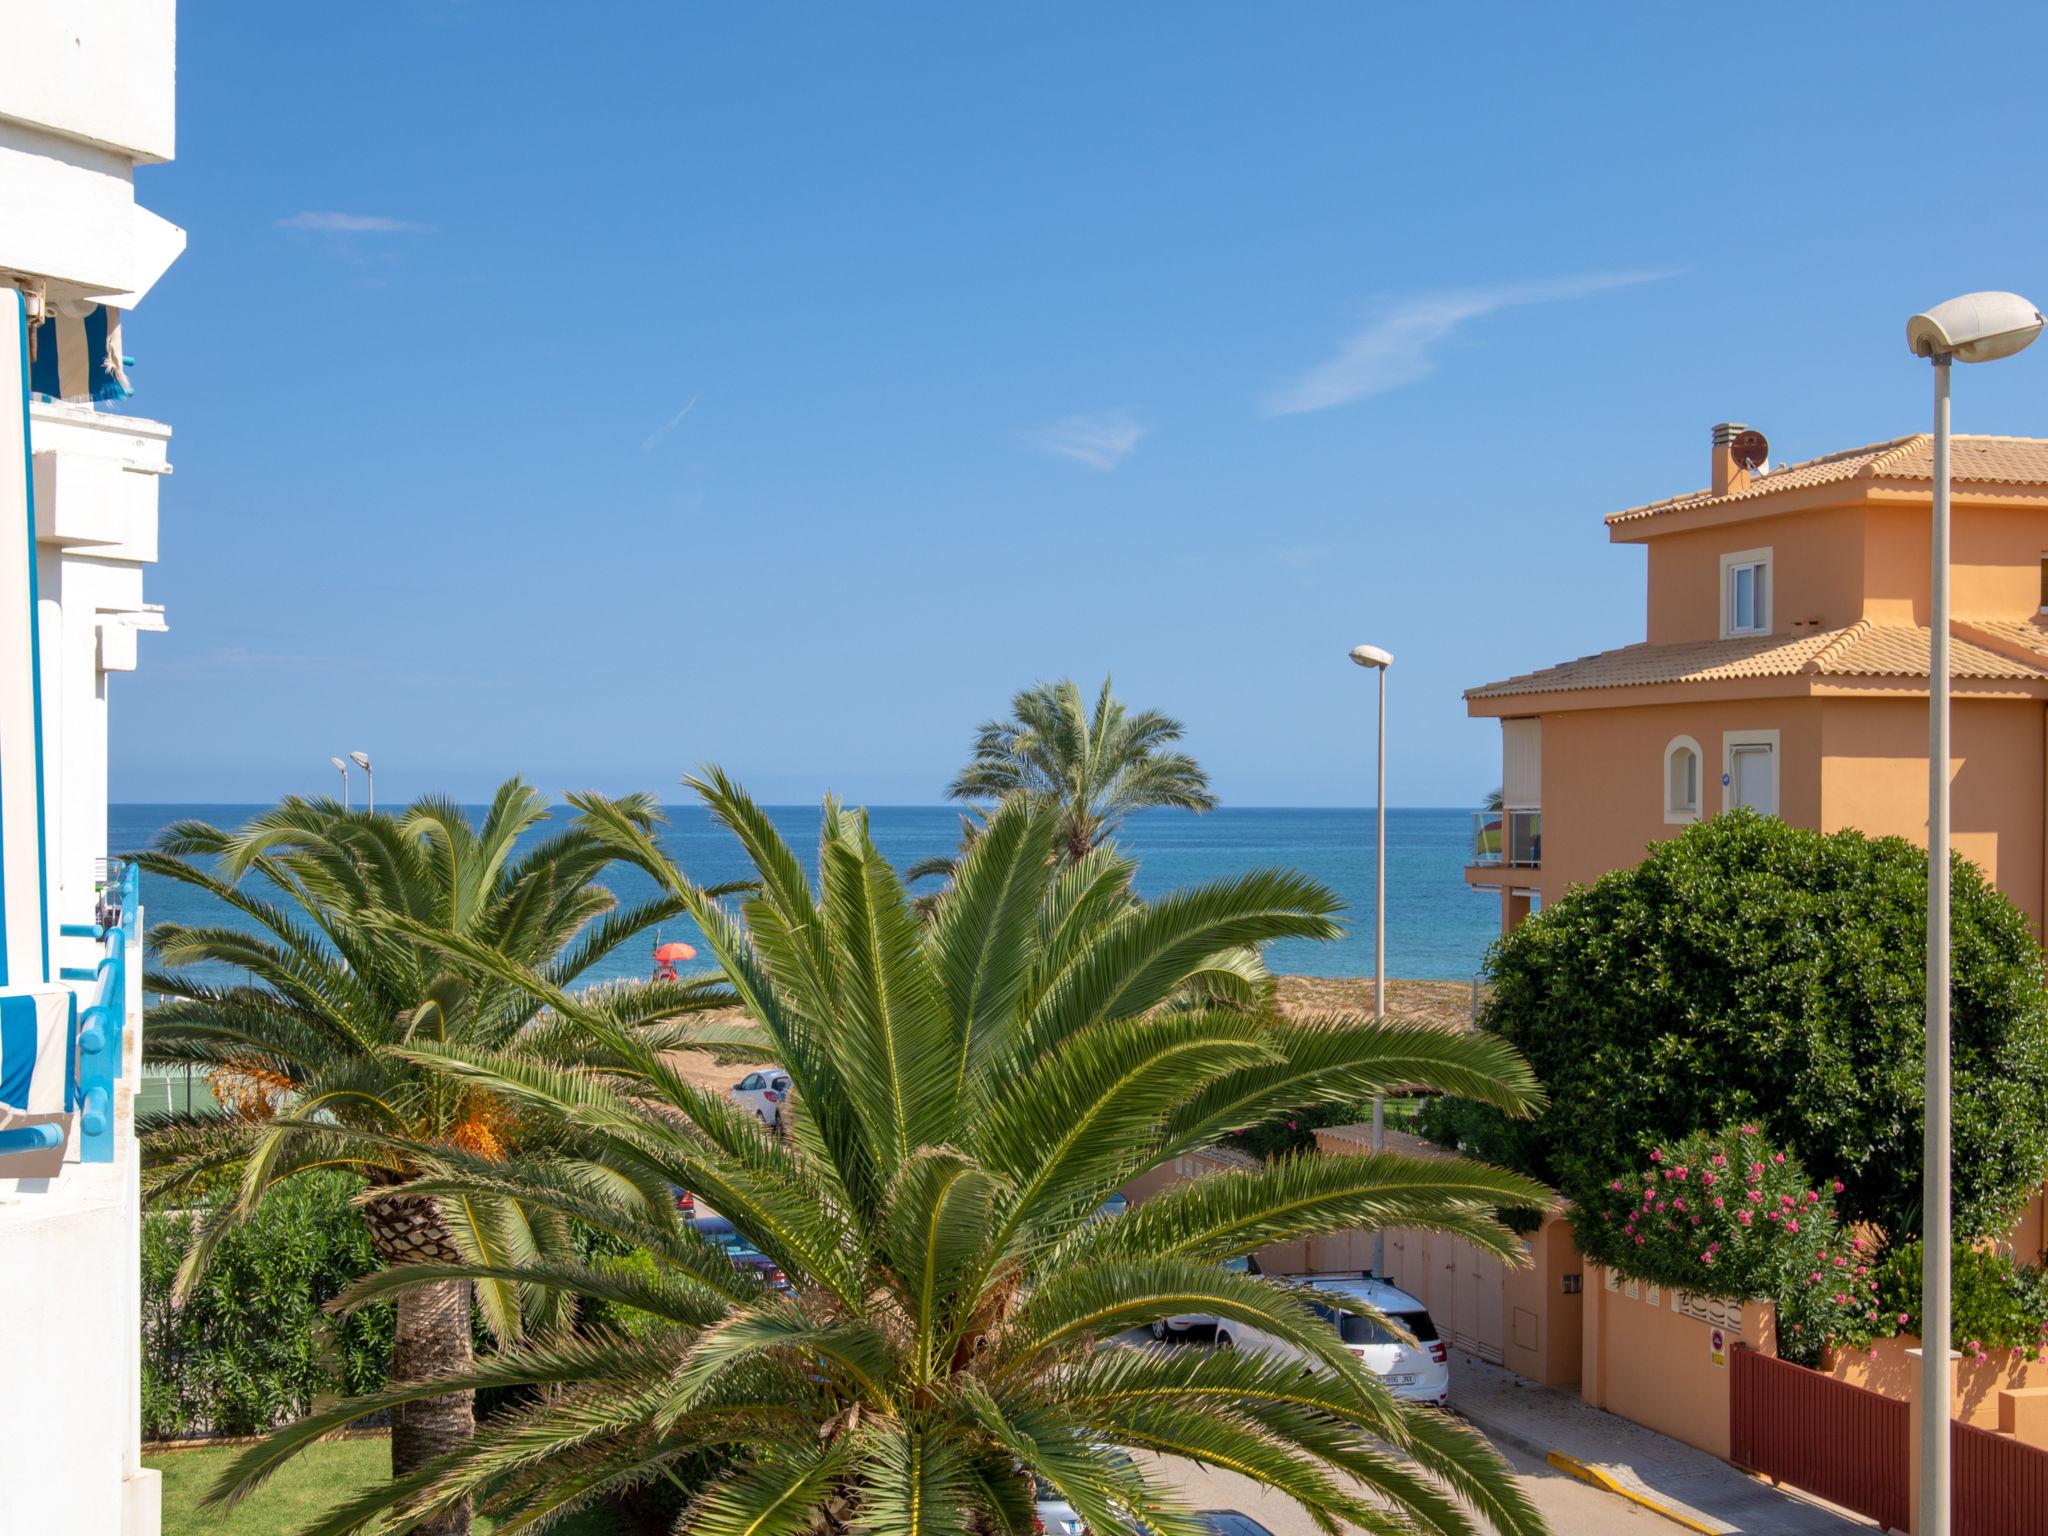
x: 1395, y: 349
x: 1101, y: 441
x: 670, y: 425
x: 352, y: 224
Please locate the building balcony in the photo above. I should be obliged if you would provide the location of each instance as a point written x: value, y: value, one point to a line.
x: 1503, y: 843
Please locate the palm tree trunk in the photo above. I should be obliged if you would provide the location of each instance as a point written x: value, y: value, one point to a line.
x: 432, y: 1340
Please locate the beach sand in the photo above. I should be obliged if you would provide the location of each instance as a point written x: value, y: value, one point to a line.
x: 1440, y: 1002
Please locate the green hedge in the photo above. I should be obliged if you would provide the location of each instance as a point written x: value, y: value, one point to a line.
x: 251, y: 1348
x: 1996, y: 1303
x: 1752, y: 971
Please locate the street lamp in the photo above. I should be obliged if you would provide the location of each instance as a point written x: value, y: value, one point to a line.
x: 362, y: 761
x: 1372, y: 656
x: 1976, y: 328
x: 342, y: 768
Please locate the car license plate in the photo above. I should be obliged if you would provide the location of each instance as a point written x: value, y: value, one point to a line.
x: 1400, y: 1378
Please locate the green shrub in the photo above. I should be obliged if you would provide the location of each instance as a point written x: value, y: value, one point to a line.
x: 1752, y: 971
x: 1732, y: 1215
x: 251, y: 1346
x: 1996, y: 1304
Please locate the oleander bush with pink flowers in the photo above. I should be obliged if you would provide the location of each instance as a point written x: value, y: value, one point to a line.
x: 1733, y: 1214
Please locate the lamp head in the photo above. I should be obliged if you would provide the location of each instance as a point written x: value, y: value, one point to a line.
x: 339, y: 764
x: 361, y: 760
x: 1976, y: 328
x: 1372, y: 656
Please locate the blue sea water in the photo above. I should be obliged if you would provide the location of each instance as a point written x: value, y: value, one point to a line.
x: 1437, y: 928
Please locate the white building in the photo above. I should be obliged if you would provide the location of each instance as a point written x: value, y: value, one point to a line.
x: 86, y: 96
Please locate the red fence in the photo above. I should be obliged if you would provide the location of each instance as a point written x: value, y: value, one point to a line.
x: 2000, y: 1486
x: 1846, y: 1444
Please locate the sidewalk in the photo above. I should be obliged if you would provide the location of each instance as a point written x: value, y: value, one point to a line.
x: 1702, y: 1489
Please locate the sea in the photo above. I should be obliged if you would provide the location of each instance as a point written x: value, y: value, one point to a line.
x: 1437, y: 927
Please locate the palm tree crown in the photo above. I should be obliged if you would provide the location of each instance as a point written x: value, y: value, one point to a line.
x: 302, y: 1013
x: 968, y: 1092
x: 1095, y: 767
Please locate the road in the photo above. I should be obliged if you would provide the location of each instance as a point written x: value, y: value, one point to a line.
x: 1571, y: 1508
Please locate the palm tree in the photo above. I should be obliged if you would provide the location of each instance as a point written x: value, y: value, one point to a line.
x: 304, y: 1037
x: 1095, y: 768
x: 969, y: 1092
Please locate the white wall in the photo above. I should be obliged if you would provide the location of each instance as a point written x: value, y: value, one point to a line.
x: 103, y: 71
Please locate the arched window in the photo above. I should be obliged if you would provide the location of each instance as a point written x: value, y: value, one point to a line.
x: 1682, y: 780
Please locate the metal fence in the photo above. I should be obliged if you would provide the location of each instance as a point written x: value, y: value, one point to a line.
x: 1845, y: 1443
x: 1999, y: 1486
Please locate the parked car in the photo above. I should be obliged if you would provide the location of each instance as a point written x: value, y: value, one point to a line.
x: 1418, y: 1372
x: 1181, y: 1324
x: 1228, y: 1522
x: 744, y: 1255
x: 686, y: 1203
x: 764, y: 1093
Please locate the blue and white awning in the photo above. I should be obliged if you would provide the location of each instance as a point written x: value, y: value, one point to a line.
x: 79, y: 358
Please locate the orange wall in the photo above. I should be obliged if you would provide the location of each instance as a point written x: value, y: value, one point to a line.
x: 1888, y: 1368
x: 1874, y: 778
x: 1603, y: 778
x: 1648, y: 1361
x: 1816, y: 573
x: 1844, y: 564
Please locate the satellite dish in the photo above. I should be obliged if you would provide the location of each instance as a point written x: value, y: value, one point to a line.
x: 1750, y: 449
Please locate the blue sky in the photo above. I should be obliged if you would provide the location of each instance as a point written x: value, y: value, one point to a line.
x: 592, y: 394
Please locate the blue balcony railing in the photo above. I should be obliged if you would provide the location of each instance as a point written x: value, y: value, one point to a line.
x: 102, y: 1023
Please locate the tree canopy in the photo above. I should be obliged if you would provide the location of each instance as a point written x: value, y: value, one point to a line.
x: 968, y: 1093
x: 1753, y: 971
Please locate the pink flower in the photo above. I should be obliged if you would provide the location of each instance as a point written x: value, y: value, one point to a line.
x: 1812, y: 1198
x: 1791, y: 1223
x: 1855, y: 1242
x: 1656, y: 1157
x: 1660, y: 1205
x: 1749, y: 1130
x: 1840, y: 1299
x: 1905, y: 1318
x: 1720, y: 1160
x: 1814, y: 1278
x: 1777, y: 1157
x: 1784, y: 1199
x: 1294, y: 1125
x: 1615, y: 1185
x: 1682, y: 1170
x: 1719, y: 1202
x: 1639, y: 1239
x: 1756, y: 1194
x: 1743, y: 1217
x: 1678, y: 1204
x: 1695, y: 1221
x: 1707, y: 1177
x: 1840, y: 1186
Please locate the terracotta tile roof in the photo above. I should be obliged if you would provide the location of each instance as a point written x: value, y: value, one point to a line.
x: 1972, y: 460
x: 1862, y: 649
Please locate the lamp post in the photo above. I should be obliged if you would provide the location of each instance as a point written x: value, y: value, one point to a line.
x: 1976, y: 328
x: 1372, y: 656
x: 362, y: 761
x: 342, y: 769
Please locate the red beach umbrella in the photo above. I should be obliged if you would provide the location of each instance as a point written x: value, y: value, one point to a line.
x: 673, y: 951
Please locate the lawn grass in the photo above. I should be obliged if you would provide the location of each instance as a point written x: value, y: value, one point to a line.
x: 307, y: 1486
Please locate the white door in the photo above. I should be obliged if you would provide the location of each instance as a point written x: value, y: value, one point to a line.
x: 1753, y: 778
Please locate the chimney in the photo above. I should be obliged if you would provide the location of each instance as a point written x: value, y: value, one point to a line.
x: 1729, y: 474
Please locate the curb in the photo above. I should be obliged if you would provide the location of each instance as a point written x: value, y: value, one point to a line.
x: 1598, y: 1478
x: 1585, y: 1472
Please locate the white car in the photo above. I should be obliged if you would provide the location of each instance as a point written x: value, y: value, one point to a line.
x: 764, y: 1093
x: 1418, y: 1372
x: 1181, y: 1324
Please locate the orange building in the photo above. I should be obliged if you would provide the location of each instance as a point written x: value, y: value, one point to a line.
x: 1785, y: 667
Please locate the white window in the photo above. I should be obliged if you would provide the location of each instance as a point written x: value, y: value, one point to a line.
x: 1746, y: 593
x: 1682, y: 781
x: 1750, y: 769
